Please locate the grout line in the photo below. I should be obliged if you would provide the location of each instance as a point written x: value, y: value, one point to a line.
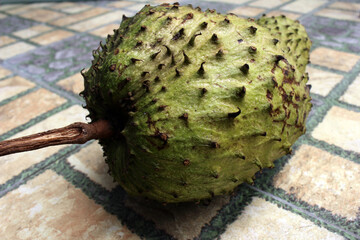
x: 16, y: 96
x: 311, y: 13
x: 39, y: 167
x: 310, y: 214
x: 46, y: 85
x: 333, y: 149
x: 111, y: 201
x: 35, y: 120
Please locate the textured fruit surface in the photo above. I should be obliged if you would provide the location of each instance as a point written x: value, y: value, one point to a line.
x: 201, y: 101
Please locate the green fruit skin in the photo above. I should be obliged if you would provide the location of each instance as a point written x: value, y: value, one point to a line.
x: 196, y: 115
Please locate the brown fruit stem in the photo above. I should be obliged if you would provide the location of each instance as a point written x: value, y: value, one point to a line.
x: 76, y: 133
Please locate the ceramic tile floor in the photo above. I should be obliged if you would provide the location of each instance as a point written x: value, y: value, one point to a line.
x: 65, y: 193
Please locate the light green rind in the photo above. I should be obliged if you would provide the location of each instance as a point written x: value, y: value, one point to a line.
x: 164, y: 155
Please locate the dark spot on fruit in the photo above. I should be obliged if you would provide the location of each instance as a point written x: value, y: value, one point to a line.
x: 201, y: 70
x: 188, y: 17
x: 241, y: 92
x: 179, y: 34
x: 234, y: 114
x: 203, y: 25
x: 153, y: 56
x: 192, y: 39
x: 162, y: 107
x: 186, y: 162
x: 146, y: 85
x: 138, y: 44
x: 163, y: 137
x: 203, y: 91
x: 168, y: 51
x: 124, y: 18
x: 279, y: 58
x: 185, y: 116
x: 252, y: 29
x: 214, y: 145
x: 214, y: 38
x: 273, y: 79
x: 245, y: 68
x: 134, y: 60
x: 112, y: 67
x: 252, y: 49
x: 186, y: 58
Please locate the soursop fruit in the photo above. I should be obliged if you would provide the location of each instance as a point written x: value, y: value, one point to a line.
x: 201, y: 101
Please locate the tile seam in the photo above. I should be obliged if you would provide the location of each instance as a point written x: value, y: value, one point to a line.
x: 310, y: 214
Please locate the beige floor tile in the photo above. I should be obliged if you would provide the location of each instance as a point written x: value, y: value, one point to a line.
x: 21, y: 8
x: 76, y: 9
x: 104, y: 31
x: 5, y: 7
x: 183, y: 221
x: 51, y: 37
x: 62, y: 5
x: 14, y: 85
x: 333, y: 59
x: 79, y: 17
x: 247, y: 11
x: 4, y: 72
x: 351, y: 6
x: 352, y: 95
x: 293, y: 16
x: 340, y: 127
x: 267, y: 3
x: 229, y: 1
x: 74, y: 83
x: 166, y: 1
x: 339, y: 14
x: 5, y: 40
x: 49, y: 207
x: 90, y: 161
x: 15, y: 49
x: 265, y: 220
x: 99, y: 21
x: 70, y: 7
x: 319, y: 178
x: 32, y: 31
x: 12, y: 165
x: 120, y: 4
x: 322, y: 82
x: 303, y: 6
x: 26, y: 108
x: 42, y: 15
x: 3, y: 15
